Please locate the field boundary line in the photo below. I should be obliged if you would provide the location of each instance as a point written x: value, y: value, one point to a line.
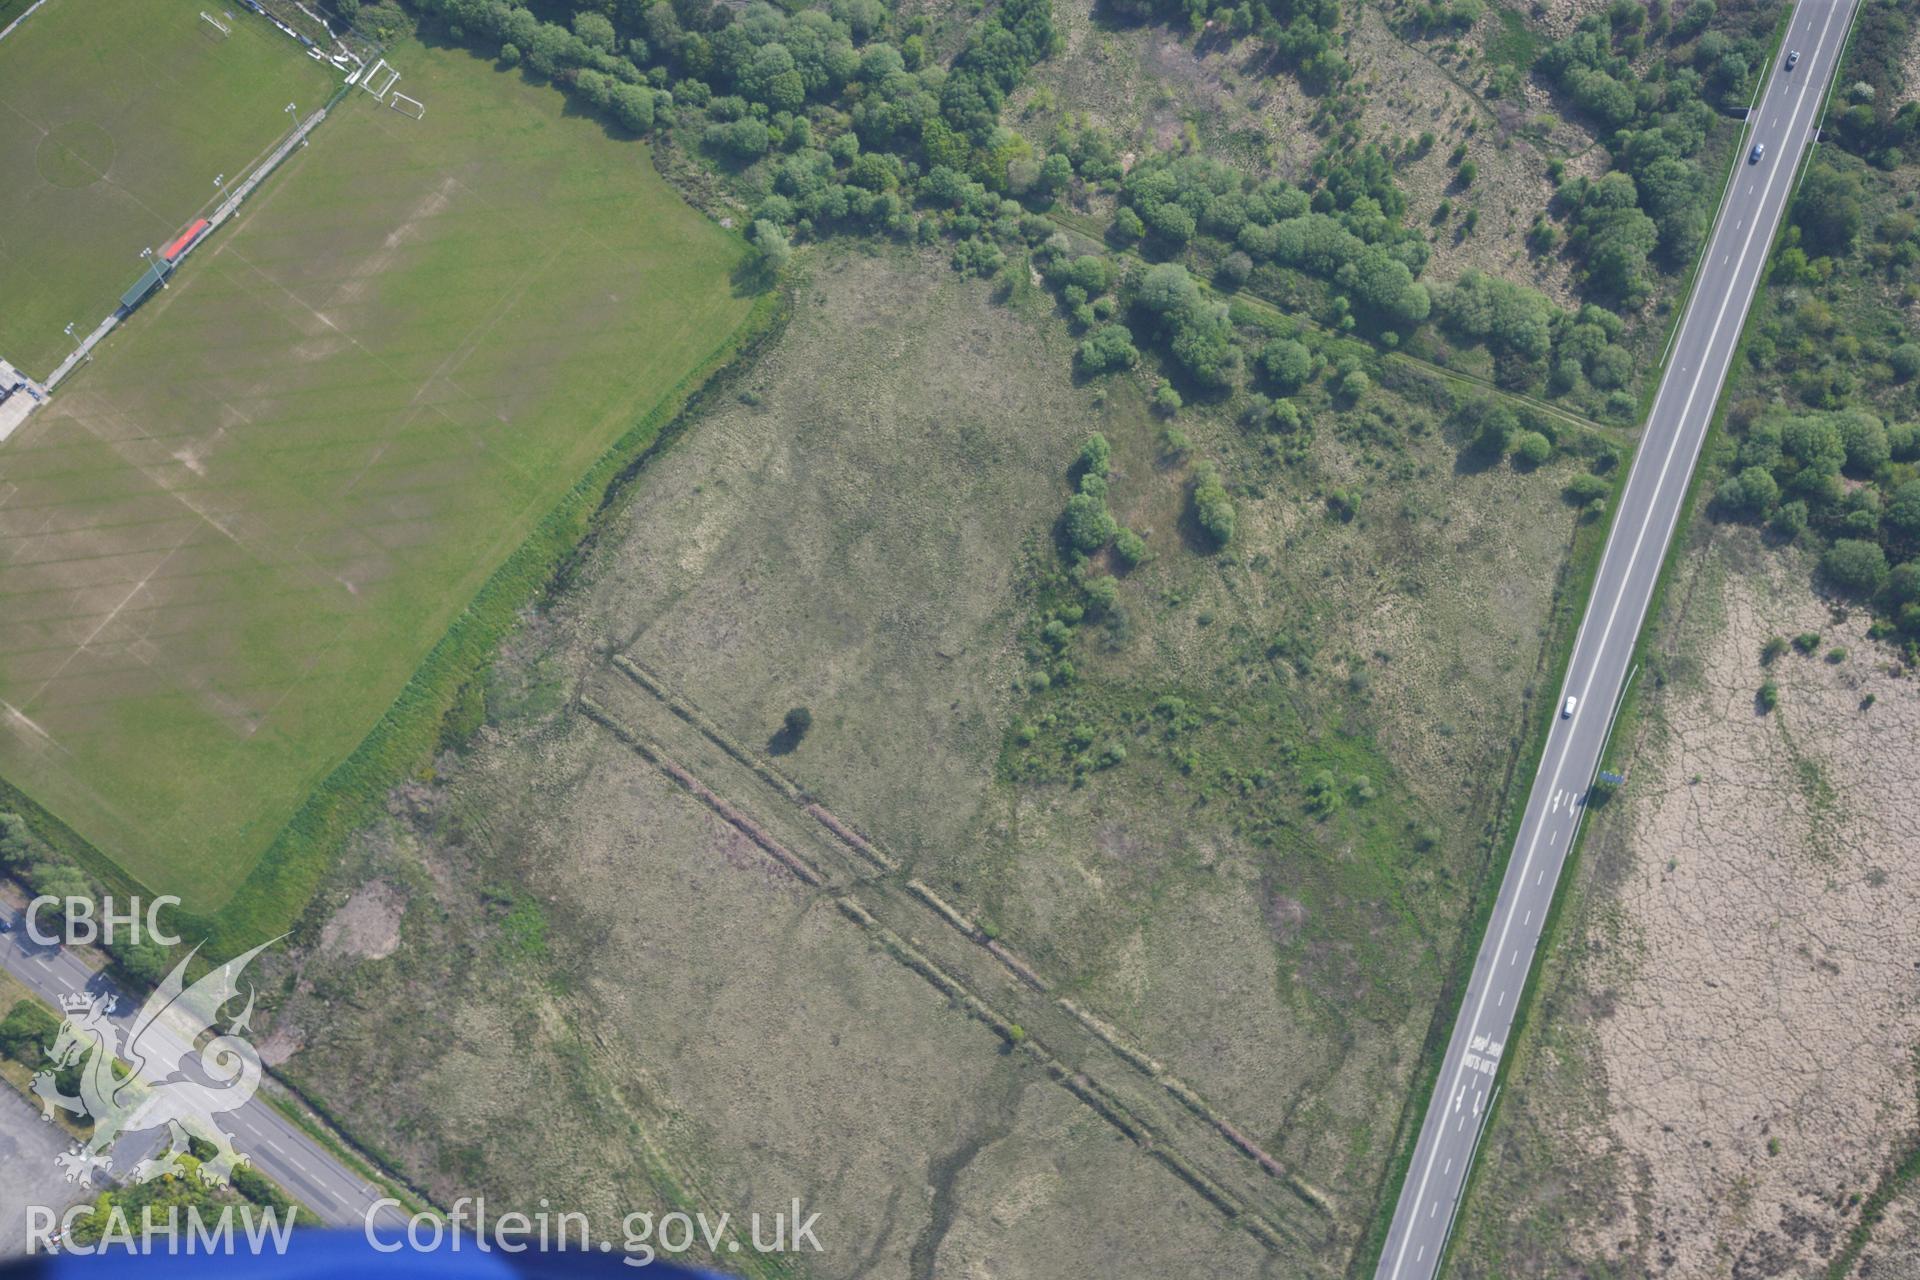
x: 22, y: 18
x: 971, y: 931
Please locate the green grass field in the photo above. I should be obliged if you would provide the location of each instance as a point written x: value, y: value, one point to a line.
x: 230, y: 541
x: 115, y: 118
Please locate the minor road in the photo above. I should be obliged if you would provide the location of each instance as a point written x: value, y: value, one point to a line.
x: 275, y: 1145
x: 1783, y: 123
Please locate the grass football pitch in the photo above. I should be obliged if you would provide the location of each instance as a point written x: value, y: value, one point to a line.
x: 227, y: 543
x: 115, y: 118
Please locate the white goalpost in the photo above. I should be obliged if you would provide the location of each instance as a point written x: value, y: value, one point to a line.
x: 214, y: 29
x: 380, y: 69
x: 407, y: 106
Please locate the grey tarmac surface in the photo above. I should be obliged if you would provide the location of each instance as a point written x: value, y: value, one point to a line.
x: 276, y: 1146
x: 1783, y: 120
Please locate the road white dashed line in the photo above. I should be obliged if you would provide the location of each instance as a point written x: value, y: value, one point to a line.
x: 1773, y: 176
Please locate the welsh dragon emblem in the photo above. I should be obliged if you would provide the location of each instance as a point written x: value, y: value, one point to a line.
x: 139, y: 1075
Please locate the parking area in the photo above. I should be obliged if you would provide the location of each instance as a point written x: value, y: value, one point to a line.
x: 28, y: 1175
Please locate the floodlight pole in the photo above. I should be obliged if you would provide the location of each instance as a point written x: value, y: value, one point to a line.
x: 147, y: 253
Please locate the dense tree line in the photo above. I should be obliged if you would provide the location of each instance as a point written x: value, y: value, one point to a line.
x: 1531, y: 339
x: 1655, y: 111
x: 760, y: 73
x: 1347, y: 232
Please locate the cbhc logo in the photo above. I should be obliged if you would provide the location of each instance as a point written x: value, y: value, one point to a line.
x: 82, y: 926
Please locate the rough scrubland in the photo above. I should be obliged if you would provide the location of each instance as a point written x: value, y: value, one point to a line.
x: 923, y: 963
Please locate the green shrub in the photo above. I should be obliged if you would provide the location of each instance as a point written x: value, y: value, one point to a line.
x: 1585, y: 489
x: 1089, y: 525
x: 1096, y: 456
x: 1855, y: 565
x: 1211, y: 505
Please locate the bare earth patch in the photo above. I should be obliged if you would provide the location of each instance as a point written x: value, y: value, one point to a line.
x: 367, y: 924
x: 1724, y: 1061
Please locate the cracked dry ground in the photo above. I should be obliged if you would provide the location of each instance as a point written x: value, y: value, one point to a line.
x: 1722, y: 1059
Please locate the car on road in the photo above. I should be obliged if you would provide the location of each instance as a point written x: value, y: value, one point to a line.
x: 1793, y: 58
x: 1566, y: 712
x: 1759, y: 149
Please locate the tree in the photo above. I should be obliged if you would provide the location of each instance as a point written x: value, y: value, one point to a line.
x: 744, y: 139
x: 1498, y: 427
x: 1864, y: 438
x: 1089, y: 525
x: 1905, y: 361
x: 26, y: 1033
x: 1168, y: 290
x: 773, y: 246
x: 1585, y: 489
x: 1828, y: 210
x: 1903, y: 584
x: 632, y: 106
x: 1130, y: 547
x: 797, y: 722
x: 594, y: 30
x: 1855, y: 565
x: 1287, y: 364
x: 1903, y: 511
x: 18, y: 848
x: 1096, y: 455
x: 1111, y: 347
x: 1753, y: 492
x: 1211, y: 505
x: 1203, y: 344
x: 1533, y: 448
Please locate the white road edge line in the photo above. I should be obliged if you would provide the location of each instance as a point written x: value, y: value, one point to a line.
x: 1632, y: 559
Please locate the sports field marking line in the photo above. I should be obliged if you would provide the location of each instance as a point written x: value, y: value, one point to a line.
x: 93, y: 635
x: 510, y: 298
x: 1626, y: 578
x: 163, y: 489
x: 501, y: 306
x: 380, y: 443
x: 115, y: 443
